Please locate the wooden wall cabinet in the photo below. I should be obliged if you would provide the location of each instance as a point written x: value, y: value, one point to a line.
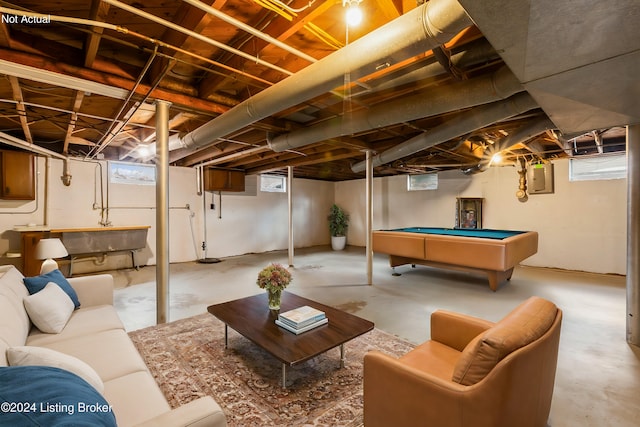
x: 17, y: 173
x: 223, y: 180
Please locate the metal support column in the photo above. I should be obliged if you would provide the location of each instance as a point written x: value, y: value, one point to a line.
x: 290, y: 202
x: 162, y: 211
x: 633, y: 234
x: 369, y: 216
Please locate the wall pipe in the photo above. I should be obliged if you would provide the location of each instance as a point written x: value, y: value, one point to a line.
x: 423, y: 28
x: 462, y: 124
x: 111, y: 132
x: 19, y: 143
x: 162, y: 212
x: 633, y: 235
x: 468, y: 93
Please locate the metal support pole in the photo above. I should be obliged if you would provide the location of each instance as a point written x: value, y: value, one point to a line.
x: 290, y: 202
x: 162, y: 211
x: 633, y: 234
x: 369, y: 217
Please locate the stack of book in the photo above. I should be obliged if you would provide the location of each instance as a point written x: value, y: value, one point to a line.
x: 301, y: 319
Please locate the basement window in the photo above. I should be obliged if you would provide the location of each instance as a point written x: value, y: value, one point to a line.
x: 599, y: 167
x: 422, y: 182
x: 273, y: 183
x: 132, y: 173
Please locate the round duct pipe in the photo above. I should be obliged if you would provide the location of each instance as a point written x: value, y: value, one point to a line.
x: 466, y: 122
x: 425, y: 27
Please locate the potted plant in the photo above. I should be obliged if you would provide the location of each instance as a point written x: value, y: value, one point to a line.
x: 274, y: 278
x: 338, y: 224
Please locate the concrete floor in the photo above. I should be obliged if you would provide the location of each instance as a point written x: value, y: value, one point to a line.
x: 598, y: 376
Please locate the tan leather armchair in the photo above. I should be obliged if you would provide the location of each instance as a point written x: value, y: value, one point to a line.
x: 471, y: 373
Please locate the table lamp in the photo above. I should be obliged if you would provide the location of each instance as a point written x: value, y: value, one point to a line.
x: 48, y: 249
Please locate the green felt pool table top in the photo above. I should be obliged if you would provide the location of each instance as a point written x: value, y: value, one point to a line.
x: 464, y: 232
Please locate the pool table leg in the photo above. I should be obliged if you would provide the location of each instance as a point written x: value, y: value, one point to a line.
x: 498, y: 277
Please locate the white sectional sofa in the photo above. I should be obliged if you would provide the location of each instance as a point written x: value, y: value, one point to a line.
x: 94, y: 335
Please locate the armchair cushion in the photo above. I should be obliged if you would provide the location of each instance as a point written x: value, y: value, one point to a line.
x: 522, y: 326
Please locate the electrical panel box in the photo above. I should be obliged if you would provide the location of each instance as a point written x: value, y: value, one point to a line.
x: 540, y: 178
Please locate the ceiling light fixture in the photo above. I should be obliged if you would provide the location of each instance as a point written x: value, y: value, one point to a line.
x: 496, y: 159
x: 354, y: 13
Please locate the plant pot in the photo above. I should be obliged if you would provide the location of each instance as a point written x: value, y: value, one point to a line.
x: 338, y: 242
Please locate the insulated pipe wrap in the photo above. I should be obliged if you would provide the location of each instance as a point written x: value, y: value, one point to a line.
x: 402, y: 38
x: 467, y: 93
x: 441, y: 18
x: 470, y: 121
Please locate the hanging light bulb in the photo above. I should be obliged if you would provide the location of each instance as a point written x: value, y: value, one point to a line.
x: 354, y: 13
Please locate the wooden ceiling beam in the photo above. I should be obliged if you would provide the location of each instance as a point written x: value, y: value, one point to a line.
x: 99, y: 12
x: 77, y: 103
x: 17, y: 96
x: 47, y: 64
x: 305, y: 161
x: 389, y: 8
x: 187, y: 17
x: 279, y: 29
x: 5, y: 37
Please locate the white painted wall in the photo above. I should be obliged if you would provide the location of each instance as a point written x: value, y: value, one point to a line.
x: 582, y: 225
x: 260, y: 223
x: 248, y: 224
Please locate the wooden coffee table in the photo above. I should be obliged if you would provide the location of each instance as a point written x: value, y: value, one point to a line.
x: 251, y: 318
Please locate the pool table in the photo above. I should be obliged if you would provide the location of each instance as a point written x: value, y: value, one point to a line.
x: 491, y: 252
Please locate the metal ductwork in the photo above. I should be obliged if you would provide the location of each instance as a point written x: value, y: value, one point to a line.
x: 425, y: 27
x: 468, y: 93
x: 522, y: 134
x: 464, y: 123
x: 477, y: 52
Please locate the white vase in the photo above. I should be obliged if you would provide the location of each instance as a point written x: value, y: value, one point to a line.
x: 338, y: 242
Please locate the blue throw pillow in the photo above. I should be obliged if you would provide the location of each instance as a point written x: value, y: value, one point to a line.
x: 52, y: 397
x: 37, y: 283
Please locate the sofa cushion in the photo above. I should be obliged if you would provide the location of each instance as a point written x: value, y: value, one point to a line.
x: 84, y: 321
x: 38, y: 356
x: 525, y: 324
x: 138, y: 387
x: 35, y: 284
x: 11, y: 329
x: 13, y: 289
x: 111, y: 353
x: 14, y: 321
x: 54, y: 397
x: 49, y: 309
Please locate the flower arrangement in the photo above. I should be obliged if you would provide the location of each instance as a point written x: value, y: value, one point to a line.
x: 274, y: 277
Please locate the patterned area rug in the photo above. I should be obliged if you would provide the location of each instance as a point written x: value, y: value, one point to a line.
x: 188, y: 360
